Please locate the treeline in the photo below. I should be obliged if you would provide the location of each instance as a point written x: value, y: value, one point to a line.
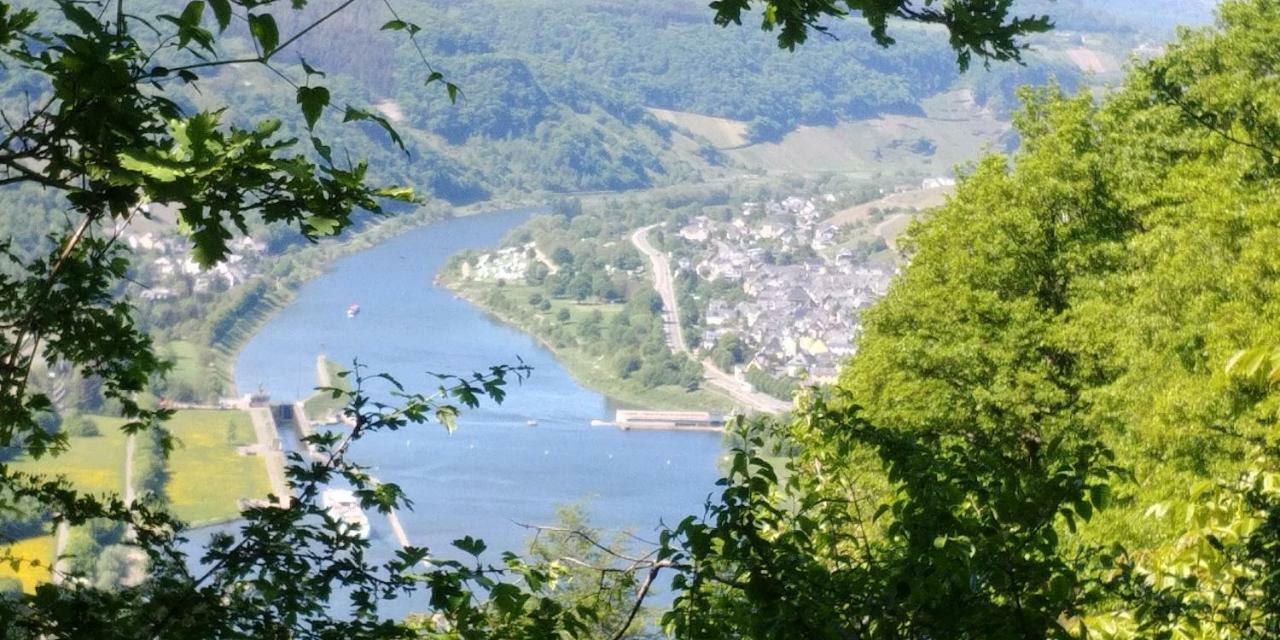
x: 668, y: 55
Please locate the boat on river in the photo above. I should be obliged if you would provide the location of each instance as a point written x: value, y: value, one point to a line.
x: 343, y: 506
x: 353, y: 311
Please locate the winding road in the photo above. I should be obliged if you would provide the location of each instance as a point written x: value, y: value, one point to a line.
x: 715, y: 376
x: 663, y: 284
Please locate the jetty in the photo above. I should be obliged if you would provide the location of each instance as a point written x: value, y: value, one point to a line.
x: 305, y: 430
x: 665, y: 420
x: 264, y: 426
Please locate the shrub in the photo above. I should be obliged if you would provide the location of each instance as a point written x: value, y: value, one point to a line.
x: 78, y: 426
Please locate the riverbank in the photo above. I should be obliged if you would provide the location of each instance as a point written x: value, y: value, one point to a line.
x: 291, y: 271
x: 302, y: 266
x: 588, y: 370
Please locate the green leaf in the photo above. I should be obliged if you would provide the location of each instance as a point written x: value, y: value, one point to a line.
x: 313, y: 100
x: 401, y: 25
x: 404, y: 194
x: 265, y: 32
x: 221, y: 13
x: 193, y: 13
x: 323, y: 149
x: 310, y: 70
x: 447, y: 415
x: 148, y: 164
x: 322, y: 226
x: 470, y: 546
x: 356, y: 115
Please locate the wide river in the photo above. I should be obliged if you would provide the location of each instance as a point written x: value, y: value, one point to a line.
x: 494, y: 470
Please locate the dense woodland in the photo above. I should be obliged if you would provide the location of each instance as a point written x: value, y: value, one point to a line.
x: 560, y: 105
x: 1060, y: 422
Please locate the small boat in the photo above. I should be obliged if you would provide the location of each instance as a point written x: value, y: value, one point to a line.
x: 353, y: 311
x: 343, y: 506
x: 531, y: 423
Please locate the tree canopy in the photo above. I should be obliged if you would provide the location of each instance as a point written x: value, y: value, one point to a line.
x: 1052, y: 363
x: 987, y: 29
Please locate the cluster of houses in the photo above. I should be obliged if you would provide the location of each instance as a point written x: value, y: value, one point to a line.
x: 804, y: 296
x: 509, y: 264
x: 169, y: 270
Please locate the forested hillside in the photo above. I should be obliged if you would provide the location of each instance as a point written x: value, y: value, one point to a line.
x: 561, y: 105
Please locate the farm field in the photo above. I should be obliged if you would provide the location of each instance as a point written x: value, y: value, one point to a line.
x: 38, y: 549
x: 722, y: 133
x: 951, y: 129
x: 94, y: 464
x: 207, y: 477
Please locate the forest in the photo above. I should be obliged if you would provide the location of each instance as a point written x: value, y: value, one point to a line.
x: 560, y: 106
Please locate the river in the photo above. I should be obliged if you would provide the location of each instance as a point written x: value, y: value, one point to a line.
x: 494, y: 470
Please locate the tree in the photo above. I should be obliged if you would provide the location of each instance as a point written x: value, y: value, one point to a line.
x: 976, y: 27
x: 729, y: 351
x: 79, y: 426
x: 112, y: 127
x: 949, y: 547
x: 562, y: 257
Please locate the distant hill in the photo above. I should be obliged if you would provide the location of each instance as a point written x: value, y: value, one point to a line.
x: 591, y: 95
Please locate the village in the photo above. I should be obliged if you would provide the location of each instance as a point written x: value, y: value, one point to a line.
x: 168, y: 269
x: 792, y: 280
x: 804, y: 286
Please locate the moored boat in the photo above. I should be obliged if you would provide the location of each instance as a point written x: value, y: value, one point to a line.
x: 343, y: 506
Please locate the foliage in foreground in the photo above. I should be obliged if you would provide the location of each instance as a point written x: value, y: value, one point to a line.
x: 949, y: 489
x: 113, y: 119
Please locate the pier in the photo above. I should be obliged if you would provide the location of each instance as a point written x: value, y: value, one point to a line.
x: 305, y: 430
x: 397, y: 529
x: 264, y: 426
x: 665, y: 421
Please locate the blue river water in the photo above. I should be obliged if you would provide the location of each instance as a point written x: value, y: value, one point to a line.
x: 495, y: 470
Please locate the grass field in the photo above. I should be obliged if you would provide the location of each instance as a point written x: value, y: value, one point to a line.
x: 952, y: 130
x: 889, y: 146
x: 94, y: 465
x: 909, y: 201
x: 206, y: 475
x: 39, y: 549
x: 722, y: 133
x: 186, y: 362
